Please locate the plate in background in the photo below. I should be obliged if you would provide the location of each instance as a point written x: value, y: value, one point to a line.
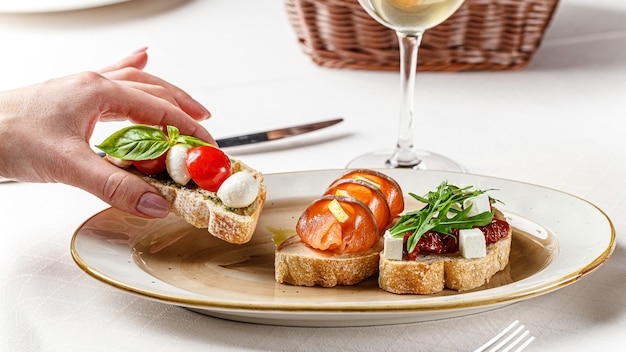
x: 40, y: 6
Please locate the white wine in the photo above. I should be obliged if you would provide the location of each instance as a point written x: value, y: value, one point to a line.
x: 410, y: 16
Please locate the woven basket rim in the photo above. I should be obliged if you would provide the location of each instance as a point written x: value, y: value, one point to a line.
x: 481, y: 35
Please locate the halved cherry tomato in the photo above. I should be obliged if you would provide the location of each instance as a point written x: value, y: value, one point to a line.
x: 152, y: 166
x: 208, y: 166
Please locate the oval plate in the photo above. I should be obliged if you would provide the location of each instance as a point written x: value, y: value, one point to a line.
x: 558, y: 239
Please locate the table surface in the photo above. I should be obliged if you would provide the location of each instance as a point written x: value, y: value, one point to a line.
x: 553, y: 123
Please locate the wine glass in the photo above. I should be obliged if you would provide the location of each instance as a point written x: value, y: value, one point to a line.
x: 409, y: 19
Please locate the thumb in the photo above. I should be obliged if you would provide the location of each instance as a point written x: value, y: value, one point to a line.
x: 119, y: 188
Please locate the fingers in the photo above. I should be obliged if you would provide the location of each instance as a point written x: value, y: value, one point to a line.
x: 118, y: 187
x: 157, y: 91
x: 137, y: 60
x: 184, y: 100
x: 124, y: 102
x: 130, y: 69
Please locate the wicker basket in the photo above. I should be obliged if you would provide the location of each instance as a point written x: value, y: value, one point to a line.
x: 481, y: 35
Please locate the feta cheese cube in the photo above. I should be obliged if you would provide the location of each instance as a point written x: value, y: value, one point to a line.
x: 480, y: 204
x: 472, y: 243
x: 393, y: 247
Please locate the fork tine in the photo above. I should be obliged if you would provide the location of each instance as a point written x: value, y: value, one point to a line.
x: 526, y: 343
x: 497, y: 337
x: 506, y: 340
x: 500, y: 340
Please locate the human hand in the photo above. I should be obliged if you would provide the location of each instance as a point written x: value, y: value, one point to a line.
x: 45, y: 130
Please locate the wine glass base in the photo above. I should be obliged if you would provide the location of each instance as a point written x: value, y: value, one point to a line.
x: 428, y: 161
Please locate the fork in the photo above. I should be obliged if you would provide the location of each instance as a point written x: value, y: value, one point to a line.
x: 502, y: 342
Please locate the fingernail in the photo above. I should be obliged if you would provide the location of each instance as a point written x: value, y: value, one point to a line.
x: 153, y: 205
x: 206, y: 112
x: 140, y: 50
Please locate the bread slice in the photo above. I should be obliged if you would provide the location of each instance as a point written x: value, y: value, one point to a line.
x: 431, y: 273
x: 417, y: 277
x: 464, y: 274
x: 297, y: 264
x: 203, y: 209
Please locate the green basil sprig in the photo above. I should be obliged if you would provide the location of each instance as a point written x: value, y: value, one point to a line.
x: 442, y: 212
x: 142, y: 142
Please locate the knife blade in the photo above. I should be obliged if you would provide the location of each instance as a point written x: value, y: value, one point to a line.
x: 258, y: 137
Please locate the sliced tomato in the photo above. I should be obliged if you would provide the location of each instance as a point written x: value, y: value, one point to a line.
x: 319, y: 228
x: 367, y: 194
x: 151, y: 166
x: 387, y: 185
x: 208, y: 167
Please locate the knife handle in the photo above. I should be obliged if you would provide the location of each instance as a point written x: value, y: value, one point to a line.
x: 242, y: 140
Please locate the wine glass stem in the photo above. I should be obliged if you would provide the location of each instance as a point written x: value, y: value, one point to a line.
x: 404, y: 154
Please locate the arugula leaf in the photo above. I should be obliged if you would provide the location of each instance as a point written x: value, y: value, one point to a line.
x: 443, y: 211
x: 142, y: 142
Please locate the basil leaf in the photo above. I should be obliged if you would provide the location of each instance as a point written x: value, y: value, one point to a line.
x: 137, y: 142
x: 192, y: 141
x: 176, y: 137
x: 173, y: 132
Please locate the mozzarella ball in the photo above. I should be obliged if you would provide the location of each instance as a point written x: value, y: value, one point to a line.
x: 239, y: 190
x: 175, y: 164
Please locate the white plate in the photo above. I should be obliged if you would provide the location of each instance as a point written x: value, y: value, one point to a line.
x: 558, y: 239
x: 37, y: 6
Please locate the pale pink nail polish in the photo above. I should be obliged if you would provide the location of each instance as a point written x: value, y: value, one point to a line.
x: 153, y: 205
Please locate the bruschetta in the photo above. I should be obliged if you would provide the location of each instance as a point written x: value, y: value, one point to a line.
x: 204, y: 186
x: 339, y: 235
x: 458, y: 240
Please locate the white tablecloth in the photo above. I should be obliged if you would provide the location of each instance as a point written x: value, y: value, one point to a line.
x: 555, y: 123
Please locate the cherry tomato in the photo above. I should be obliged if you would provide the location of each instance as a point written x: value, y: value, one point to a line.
x: 208, y: 166
x: 152, y: 166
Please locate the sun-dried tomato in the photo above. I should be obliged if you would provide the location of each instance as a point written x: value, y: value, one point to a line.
x: 434, y: 242
x: 495, y: 231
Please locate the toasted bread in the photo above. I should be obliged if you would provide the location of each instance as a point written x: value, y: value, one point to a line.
x: 423, y: 277
x: 298, y: 264
x: 203, y: 209
x: 431, y: 273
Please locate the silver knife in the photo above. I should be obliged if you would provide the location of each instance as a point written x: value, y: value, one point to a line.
x: 271, y: 135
